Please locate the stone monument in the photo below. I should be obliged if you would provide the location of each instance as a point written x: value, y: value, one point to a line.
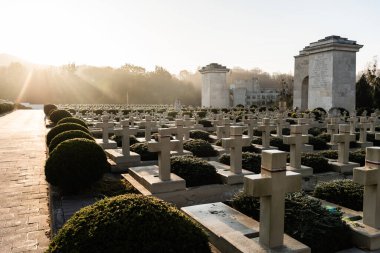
x: 324, y: 74
x: 215, y: 90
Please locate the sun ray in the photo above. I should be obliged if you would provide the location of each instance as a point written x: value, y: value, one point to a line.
x: 24, y: 86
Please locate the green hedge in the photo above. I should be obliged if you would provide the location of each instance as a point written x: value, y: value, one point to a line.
x: 200, y: 148
x: 250, y: 161
x: 63, y: 128
x: 130, y: 223
x: 118, y: 140
x: 306, y: 221
x: 67, y: 135
x: 57, y: 115
x: 76, y: 164
x: 142, y: 150
x: 48, y: 108
x: 318, y: 143
x: 6, y: 107
x: 330, y: 154
x: 342, y: 192
x: 199, y: 134
x: 194, y: 170
x: 357, y: 156
x: 73, y: 120
x: 205, y: 123
x: 316, y: 161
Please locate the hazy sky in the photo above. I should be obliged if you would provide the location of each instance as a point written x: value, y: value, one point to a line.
x: 179, y: 34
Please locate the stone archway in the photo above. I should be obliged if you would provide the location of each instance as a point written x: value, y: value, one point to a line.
x: 305, y: 93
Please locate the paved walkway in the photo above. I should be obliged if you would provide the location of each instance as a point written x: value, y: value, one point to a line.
x: 24, y: 215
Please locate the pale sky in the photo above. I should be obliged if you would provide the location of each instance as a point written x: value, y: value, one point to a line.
x: 179, y: 34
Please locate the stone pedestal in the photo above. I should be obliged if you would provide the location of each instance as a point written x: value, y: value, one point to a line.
x: 123, y: 162
x: 233, y: 232
x: 305, y: 171
x: 227, y: 176
x: 109, y: 145
x: 260, y: 148
x: 364, y: 144
x: 148, y: 177
x: 346, y: 168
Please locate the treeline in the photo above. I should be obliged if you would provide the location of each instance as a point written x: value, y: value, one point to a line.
x: 127, y: 84
x: 368, y: 89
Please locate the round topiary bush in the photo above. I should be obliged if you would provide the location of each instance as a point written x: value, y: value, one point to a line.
x: 329, y: 154
x: 67, y: 135
x: 205, y: 123
x: 130, y: 223
x: 250, y: 161
x: 199, y: 134
x: 75, y: 164
x: 118, y: 139
x: 325, y: 136
x: 73, y: 120
x: 315, y: 131
x: 48, y: 108
x: 306, y: 220
x: 142, y: 150
x: 63, y: 128
x: 200, y: 148
x: 316, y: 161
x: 277, y: 142
x: 57, y: 115
x: 194, y: 170
x: 342, y: 192
x: 357, y: 156
x: 318, y: 143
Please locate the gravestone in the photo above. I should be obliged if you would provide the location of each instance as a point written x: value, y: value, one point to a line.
x: 372, y: 123
x: 265, y: 127
x: 182, y: 133
x: 324, y: 74
x: 251, y: 125
x: 343, y: 140
x: 367, y: 234
x: 158, y: 179
x: 296, y: 140
x: 105, y: 143
x: 123, y: 157
x: 363, y: 127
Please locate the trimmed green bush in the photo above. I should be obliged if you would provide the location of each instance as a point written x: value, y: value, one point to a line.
x: 130, y: 223
x: 172, y: 114
x: 357, y: 156
x: 316, y: 161
x: 48, y: 108
x: 200, y: 148
x: 277, y: 142
x: 199, y: 134
x: 315, y: 131
x: 318, y: 143
x: 325, y: 136
x: 194, y: 170
x: 201, y: 114
x: 330, y: 154
x: 73, y: 120
x: 57, y: 115
x: 63, y: 128
x: 205, y: 123
x: 306, y: 220
x: 142, y: 150
x: 250, y: 161
x: 118, y: 139
x: 67, y: 135
x: 342, y: 192
x: 6, y: 107
x: 76, y: 164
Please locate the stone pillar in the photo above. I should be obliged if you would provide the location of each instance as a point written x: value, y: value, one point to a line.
x: 215, y: 90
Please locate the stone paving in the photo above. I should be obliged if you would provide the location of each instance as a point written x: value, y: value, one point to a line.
x: 24, y: 212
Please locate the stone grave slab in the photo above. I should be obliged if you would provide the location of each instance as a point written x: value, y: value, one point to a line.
x: 227, y: 176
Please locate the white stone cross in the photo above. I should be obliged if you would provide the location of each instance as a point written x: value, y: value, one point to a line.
x: 265, y: 127
x: 163, y: 147
x: 148, y: 124
x: 343, y: 139
x: 372, y: 122
x: 105, y: 126
x: 251, y: 123
x: 125, y: 132
x: 235, y: 144
x: 369, y: 176
x: 363, y: 126
x: 304, y: 122
x: 353, y: 121
x: 181, y: 133
x: 280, y: 124
x: 296, y: 140
x: 271, y: 186
x: 333, y: 126
x: 223, y: 131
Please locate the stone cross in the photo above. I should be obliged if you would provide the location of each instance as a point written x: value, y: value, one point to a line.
x: 343, y: 139
x: 304, y: 122
x: 271, y: 186
x: 235, y: 144
x: 280, y: 124
x: 363, y: 126
x: 148, y: 124
x: 372, y: 122
x: 223, y: 131
x: 353, y: 121
x: 265, y: 128
x: 369, y: 176
x: 104, y: 125
x: 125, y: 132
x: 218, y: 121
x: 251, y: 123
x: 333, y: 126
x: 296, y: 140
x: 181, y: 133
x: 187, y: 122
x: 163, y: 147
